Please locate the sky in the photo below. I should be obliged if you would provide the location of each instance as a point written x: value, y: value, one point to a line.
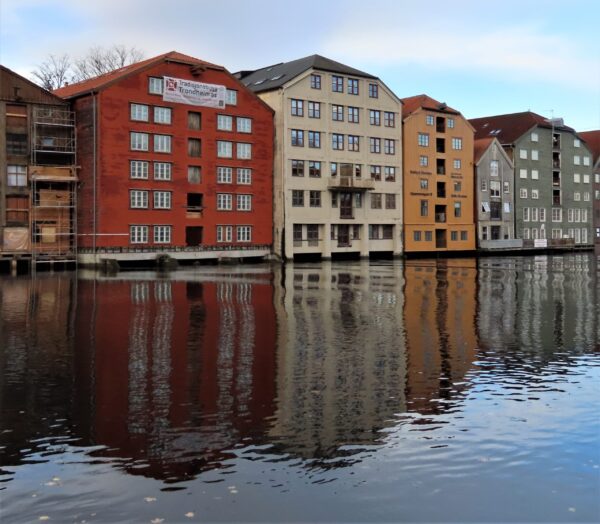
x: 480, y: 57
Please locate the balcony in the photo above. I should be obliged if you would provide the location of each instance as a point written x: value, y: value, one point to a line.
x: 349, y: 184
x: 440, y: 214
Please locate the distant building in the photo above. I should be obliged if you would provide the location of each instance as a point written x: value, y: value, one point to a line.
x: 176, y: 159
x: 37, y: 159
x: 552, y: 177
x: 494, y: 187
x: 338, y: 158
x: 592, y: 139
x: 438, y: 177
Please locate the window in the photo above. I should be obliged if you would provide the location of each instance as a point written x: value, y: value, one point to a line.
x: 162, y: 171
x: 194, y: 120
x: 423, y: 161
x: 542, y: 212
x: 523, y: 154
x: 333, y: 168
x: 457, y: 209
x: 224, y: 123
x: 576, y: 196
x: 586, y: 179
x: 534, y: 137
x: 389, y: 119
x: 224, y: 175
x: 353, y: 143
x: 139, y: 112
x: 352, y: 86
x: 137, y: 169
x: 315, y: 81
x: 138, y: 141
x: 194, y: 174
x: 374, y: 117
x: 389, y: 173
x: 586, y: 196
x: 375, y: 172
x: 483, y: 184
x: 194, y: 147
x: 353, y: 115
x: 224, y: 201
x: 463, y: 235
x: 244, y: 151
x: 535, y: 174
x: 138, y: 234
x: 244, y: 125
x: 244, y: 176
x: 16, y: 175
x: 457, y: 164
x: 373, y: 91
x: 231, y: 97
x: 556, y: 214
x: 389, y: 146
x: 457, y: 186
x: 297, y: 167
x: 162, y: 234
x: 314, y: 169
x: 138, y: 199
x: 155, y: 85
x: 493, y: 167
x: 297, y: 198
x: 244, y: 233
x: 297, y: 233
x: 535, y: 194
x: 375, y: 200
x: 297, y: 107
x: 337, y: 141
x: 523, y: 173
x: 417, y: 236
x: 454, y: 235
x: 224, y: 233
x: 506, y: 187
x: 576, y: 142
x: 450, y: 123
x: 523, y: 192
x: 424, y: 183
x: 375, y: 145
x: 314, y: 139
x: 357, y: 202
x: 162, y: 143
x: 314, y: 110
x: 424, y: 208
x: 535, y: 154
x: 457, y: 143
x: 298, y: 137
x: 337, y: 84
x: 162, y: 115
x: 333, y: 199
x: 390, y: 201
x: 577, y: 160
x: 315, y: 198
x: 337, y: 113
x: 586, y: 160
x: 576, y: 178
x: 162, y: 200
x: 244, y: 202
x: 494, y: 188
x: 429, y: 120
x: 423, y: 139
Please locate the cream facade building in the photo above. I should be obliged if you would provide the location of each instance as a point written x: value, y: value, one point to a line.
x: 338, y: 159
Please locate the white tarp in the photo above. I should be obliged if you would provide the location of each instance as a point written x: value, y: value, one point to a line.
x: 193, y: 93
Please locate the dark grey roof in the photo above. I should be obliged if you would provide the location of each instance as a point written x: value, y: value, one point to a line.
x: 273, y: 77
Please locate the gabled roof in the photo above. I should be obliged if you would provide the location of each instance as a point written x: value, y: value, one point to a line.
x: 510, y: 127
x: 275, y: 76
x: 592, y: 139
x: 102, y: 81
x: 480, y: 146
x: 34, y: 93
x: 412, y: 103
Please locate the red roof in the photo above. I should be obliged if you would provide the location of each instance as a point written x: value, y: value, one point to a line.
x: 101, y: 81
x: 412, y: 103
x: 592, y: 139
x: 481, y: 145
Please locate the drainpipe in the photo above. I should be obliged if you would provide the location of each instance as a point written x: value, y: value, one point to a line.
x: 94, y: 174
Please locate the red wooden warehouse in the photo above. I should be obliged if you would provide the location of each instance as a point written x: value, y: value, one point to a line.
x: 176, y: 158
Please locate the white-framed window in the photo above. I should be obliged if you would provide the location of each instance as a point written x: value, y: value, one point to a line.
x: 577, y: 160
x: 224, y: 175
x: 535, y: 193
x: 138, y: 234
x: 576, y: 178
x: 534, y: 137
x: 423, y: 139
x: 423, y: 160
x: 16, y: 175
x: 162, y: 143
x: 231, y: 97
x: 526, y: 233
x: 584, y: 215
x: 429, y: 120
x: 535, y: 174
x: 586, y: 160
x: 506, y: 186
x: 586, y: 179
x: 494, y: 166
x: 523, y: 153
x: 162, y: 234
x: 542, y: 214
x: 138, y: 199
x: 244, y: 202
x: 162, y: 115
x: 525, y: 214
x: 576, y: 142
x: 556, y: 214
x: 155, y: 85
x: 535, y: 154
x: 570, y: 215
x: 457, y: 143
x: 577, y: 217
x: 139, y: 112
x: 244, y: 125
x: 484, y: 184
x: 449, y: 123
x: 586, y: 196
x: 224, y: 122
x: 138, y: 169
x: 162, y: 170
x: 557, y: 233
x: 162, y: 200
x: 244, y: 176
x: 523, y: 192
x: 224, y: 201
x: 224, y: 233
x: 534, y: 214
x: 457, y: 163
x: 523, y: 173
x: 244, y: 233
x: 244, y: 151
x: 138, y: 141
x: 576, y: 196
x: 495, y: 188
x: 194, y: 174
x: 224, y: 149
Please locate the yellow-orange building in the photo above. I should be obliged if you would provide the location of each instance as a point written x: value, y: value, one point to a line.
x: 438, y: 177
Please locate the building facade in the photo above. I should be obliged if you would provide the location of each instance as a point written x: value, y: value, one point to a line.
x: 592, y: 140
x: 438, y: 177
x: 37, y: 159
x: 553, y: 205
x: 494, y: 187
x: 176, y: 159
x: 338, y: 159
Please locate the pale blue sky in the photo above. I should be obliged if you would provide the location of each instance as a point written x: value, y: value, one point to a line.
x: 481, y: 57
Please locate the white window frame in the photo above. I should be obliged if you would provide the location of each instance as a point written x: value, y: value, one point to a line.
x: 163, y: 115
x: 224, y: 233
x: 138, y: 234
x: 224, y: 122
x: 162, y: 143
x: 244, y: 234
x: 155, y: 85
x: 224, y: 175
x: 161, y: 199
x: 224, y: 149
x: 457, y: 143
x: 244, y: 176
x: 244, y: 202
x: 224, y: 201
x: 243, y: 124
x: 162, y: 234
x: 138, y: 112
x: 138, y: 169
x: 138, y: 141
x: 243, y: 151
x: 138, y: 199
x: 231, y: 97
x: 163, y: 170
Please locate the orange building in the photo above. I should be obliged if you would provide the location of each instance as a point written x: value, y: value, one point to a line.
x: 438, y: 177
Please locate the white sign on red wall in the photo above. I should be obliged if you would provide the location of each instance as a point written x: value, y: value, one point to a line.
x: 193, y: 93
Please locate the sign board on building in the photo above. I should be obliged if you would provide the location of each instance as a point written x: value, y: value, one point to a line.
x: 540, y: 242
x: 193, y: 93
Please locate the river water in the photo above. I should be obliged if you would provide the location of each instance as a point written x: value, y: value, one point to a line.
x: 439, y: 390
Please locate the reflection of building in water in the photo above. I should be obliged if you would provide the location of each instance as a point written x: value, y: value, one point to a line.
x: 180, y: 371
x: 439, y: 316
x: 341, y: 359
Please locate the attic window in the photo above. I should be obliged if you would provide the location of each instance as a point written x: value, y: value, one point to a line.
x: 258, y: 82
x: 277, y: 77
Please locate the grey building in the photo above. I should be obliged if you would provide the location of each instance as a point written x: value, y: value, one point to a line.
x: 592, y: 140
x: 553, y: 177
